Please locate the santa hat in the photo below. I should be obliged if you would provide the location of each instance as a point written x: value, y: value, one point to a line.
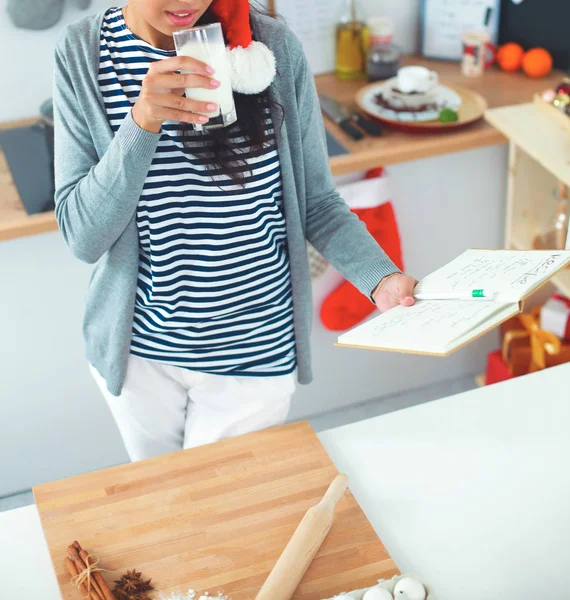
x: 252, y: 64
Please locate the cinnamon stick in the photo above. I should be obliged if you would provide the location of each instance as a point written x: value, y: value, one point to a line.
x: 72, y: 570
x: 84, y: 555
x: 90, y: 590
x: 104, y: 589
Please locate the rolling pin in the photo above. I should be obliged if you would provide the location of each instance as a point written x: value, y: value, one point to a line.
x: 302, y: 547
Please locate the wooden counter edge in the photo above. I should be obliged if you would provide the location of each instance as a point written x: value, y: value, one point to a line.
x: 340, y: 165
x: 425, y: 148
x: 25, y: 225
x: 28, y: 225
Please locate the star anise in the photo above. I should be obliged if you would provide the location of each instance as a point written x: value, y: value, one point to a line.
x: 132, y: 586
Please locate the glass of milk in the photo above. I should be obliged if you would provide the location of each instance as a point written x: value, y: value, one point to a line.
x: 207, y: 45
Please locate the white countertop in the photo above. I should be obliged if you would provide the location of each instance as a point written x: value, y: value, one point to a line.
x: 25, y: 565
x: 472, y: 493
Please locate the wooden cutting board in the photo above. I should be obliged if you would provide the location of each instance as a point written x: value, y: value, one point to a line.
x: 214, y: 518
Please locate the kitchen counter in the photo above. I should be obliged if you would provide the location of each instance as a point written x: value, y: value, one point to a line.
x: 496, y: 86
x: 14, y: 221
x: 500, y: 89
x: 469, y: 492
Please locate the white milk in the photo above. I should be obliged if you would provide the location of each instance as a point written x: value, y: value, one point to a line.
x: 215, y: 55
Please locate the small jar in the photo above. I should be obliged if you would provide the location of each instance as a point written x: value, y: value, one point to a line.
x: 381, y: 30
x: 383, y: 57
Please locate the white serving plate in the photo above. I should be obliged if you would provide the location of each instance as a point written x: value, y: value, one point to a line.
x: 442, y: 95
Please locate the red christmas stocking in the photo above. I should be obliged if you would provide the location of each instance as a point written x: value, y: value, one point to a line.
x: 346, y: 306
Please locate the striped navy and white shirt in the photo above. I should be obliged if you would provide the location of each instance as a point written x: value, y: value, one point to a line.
x: 214, y: 290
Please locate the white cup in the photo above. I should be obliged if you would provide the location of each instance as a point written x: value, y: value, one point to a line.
x: 478, y: 53
x: 416, y: 79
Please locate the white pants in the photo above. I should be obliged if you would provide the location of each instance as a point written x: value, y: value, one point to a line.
x: 163, y: 408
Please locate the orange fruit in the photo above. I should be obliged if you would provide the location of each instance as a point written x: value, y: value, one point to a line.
x: 510, y: 57
x: 537, y: 62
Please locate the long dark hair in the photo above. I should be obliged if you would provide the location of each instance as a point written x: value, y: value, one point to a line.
x: 224, y: 156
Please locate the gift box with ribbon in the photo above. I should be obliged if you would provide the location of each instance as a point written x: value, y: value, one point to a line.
x: 555, y: 316
x: 526, y: 348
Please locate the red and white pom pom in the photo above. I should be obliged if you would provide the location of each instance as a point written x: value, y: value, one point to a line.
x: 252, y: 64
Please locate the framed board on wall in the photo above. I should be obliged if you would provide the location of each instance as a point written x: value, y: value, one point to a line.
x: 445, y: 21
x: 533, y: 23
x: 314, y: 23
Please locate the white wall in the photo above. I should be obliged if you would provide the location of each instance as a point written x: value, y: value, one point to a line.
x: 53, y: 421
x: 406, y: 17
x: 26, y: 61
x: 26, y: 56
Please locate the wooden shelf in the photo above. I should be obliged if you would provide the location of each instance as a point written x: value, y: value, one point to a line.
x: 533, y: 130
x: 531, y: 205
x: 561, y: 280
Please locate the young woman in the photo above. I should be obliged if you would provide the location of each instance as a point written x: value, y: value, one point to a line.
x: 199, y: 308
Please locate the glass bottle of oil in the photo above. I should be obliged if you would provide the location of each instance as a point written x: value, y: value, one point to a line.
x: 352, y: 42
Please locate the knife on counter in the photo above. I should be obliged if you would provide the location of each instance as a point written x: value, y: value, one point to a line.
x: 347, y: 119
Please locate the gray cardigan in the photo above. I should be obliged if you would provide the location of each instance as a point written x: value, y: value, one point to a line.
x: 100, y: 177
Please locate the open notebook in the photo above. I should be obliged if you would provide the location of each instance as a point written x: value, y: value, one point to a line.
x: 438, y: 327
